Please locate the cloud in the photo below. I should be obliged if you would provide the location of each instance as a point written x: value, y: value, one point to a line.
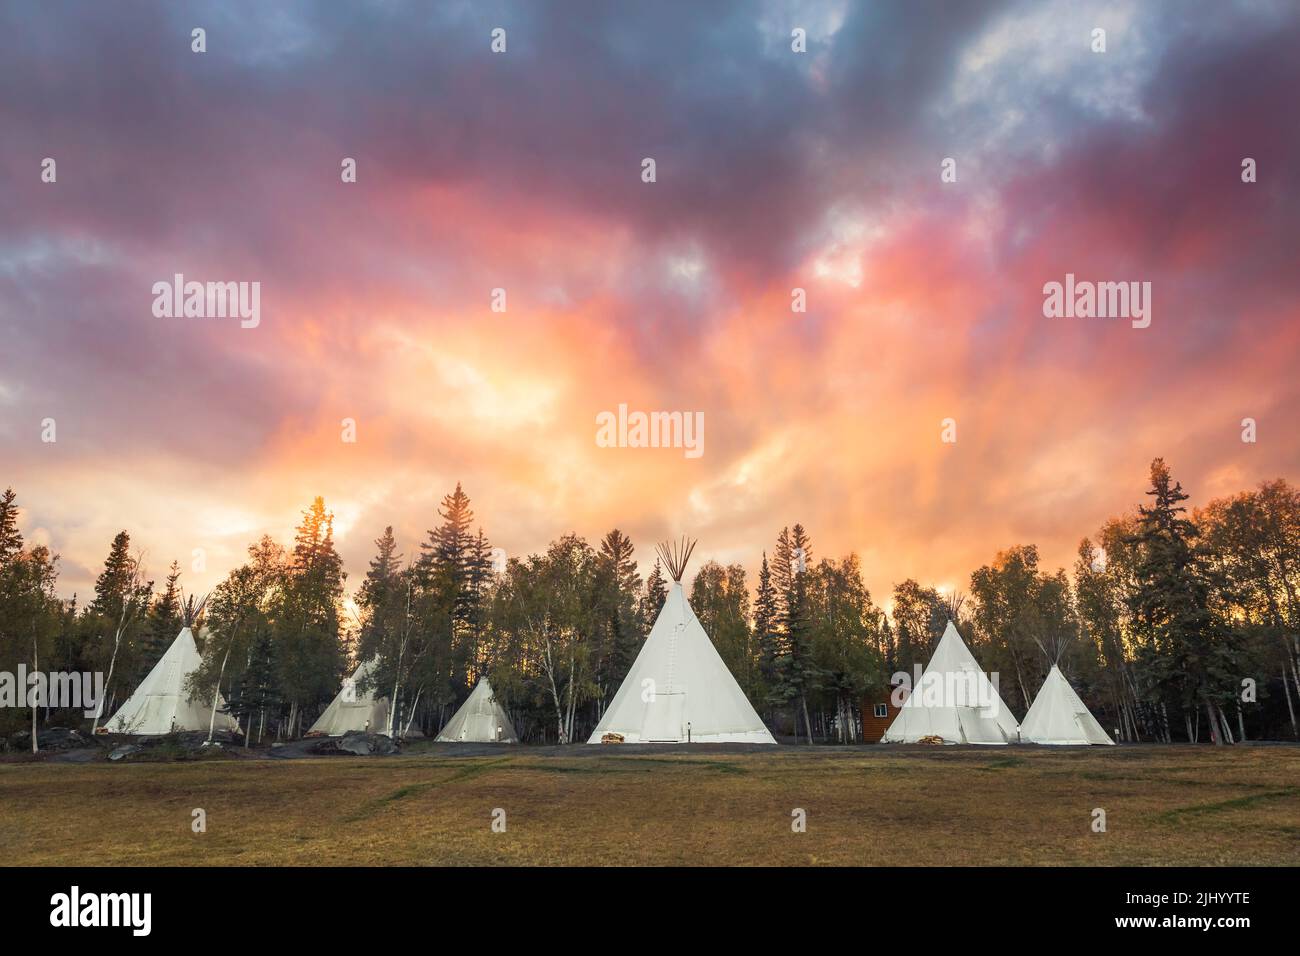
x: 522, y: 171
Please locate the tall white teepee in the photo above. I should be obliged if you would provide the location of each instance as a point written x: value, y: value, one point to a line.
x: 1058, y: 716
x: 954, y: 701
x: 679, y: 689
x: 160, y: 705
x: 354, y: 710
x: 481, y: 719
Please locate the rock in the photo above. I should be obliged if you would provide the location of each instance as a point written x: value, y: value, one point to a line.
x: 358, y: 743
x: 51, y: 738
x: 192, y: 741
x: 363, y: 744
x: 125, y: 750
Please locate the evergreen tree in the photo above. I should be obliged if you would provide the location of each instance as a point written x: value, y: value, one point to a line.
x: 250, y: 612
x: 766, y: 637
x: 1192, y: 650
x: 886, y: 647
x: 113, y: 587
x: 310, y: 649
x: 381, y: 596
x: 115, y: 619
x: 385, y: 598
x: 449, y: 603
x: 30, y: 614
x: 11, y: 541
x: 656, y: 593
x: 782, y: 580
x: 478, y: 585
x: 446, y: 559
x: 258, y: 694
x: 797, y: 672
x: 620, y: 631
x: 162, y: 624
x: 905, y: 653
x: 845, y: 629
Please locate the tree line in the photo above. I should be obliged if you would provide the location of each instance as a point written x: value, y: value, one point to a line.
x: 1174, y: 625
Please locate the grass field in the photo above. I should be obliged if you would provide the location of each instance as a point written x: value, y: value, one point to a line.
x: 719, y: 806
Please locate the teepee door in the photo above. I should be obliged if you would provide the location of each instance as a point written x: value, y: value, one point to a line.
x: 663, y: 722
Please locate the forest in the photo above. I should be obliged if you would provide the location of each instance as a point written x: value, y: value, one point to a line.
x: 1174, y: 624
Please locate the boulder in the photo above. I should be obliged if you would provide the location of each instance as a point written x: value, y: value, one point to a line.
x: 358, y: 743
x: 52, y: 738
x: 125, y: 750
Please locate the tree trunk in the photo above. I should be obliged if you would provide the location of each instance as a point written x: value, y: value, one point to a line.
x: 1223, y: 721
x: 1214, y: 730
x: 1295, y: 667
x: 806, y: 721
x: 573, y: 699
x: 36, y: 669
x: 99, y: 711
x: 407, y: 729
x: 216, y: 692
x: 1290, y: 707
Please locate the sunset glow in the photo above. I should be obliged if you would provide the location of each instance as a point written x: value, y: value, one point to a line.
x: 924, y: 298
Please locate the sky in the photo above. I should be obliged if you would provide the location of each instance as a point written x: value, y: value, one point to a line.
x: 523, y: 171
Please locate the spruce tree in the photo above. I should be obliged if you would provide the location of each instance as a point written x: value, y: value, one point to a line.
x: 1189, y: 651
x: 766, y: 613
x: 450, y: 598
x: 115, y: 580
x: 310, y: 654
x: 656, y: 593
x: 478, y: 585
x: 620, y: 633
x: 885, y: 645
x: 163, y: 622
x: 11, y: 541
x: 380, y: 587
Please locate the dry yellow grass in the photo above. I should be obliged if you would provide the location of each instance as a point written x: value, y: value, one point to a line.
x: 877, y: 806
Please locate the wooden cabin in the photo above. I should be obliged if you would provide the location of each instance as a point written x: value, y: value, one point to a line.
x: 878, y: 712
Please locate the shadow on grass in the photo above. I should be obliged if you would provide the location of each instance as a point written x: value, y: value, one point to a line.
x: 1178, y: 814
x: 1004, y: 763
x: 461, y: 772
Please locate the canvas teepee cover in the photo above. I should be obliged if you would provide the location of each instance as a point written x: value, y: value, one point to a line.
x: 159, y: 705
x: 354, y: 710
x: 1058, y: 716
x: 695, y: 698
x: 481, y: 719
x: 954, y: 700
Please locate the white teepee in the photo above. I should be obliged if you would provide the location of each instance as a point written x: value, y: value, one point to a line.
x: 679, y: 689
x: 354, y: 710
x: 160, y: 705
x: 954, y: 701
x: 1058, y: 716
x: 481, y: 719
